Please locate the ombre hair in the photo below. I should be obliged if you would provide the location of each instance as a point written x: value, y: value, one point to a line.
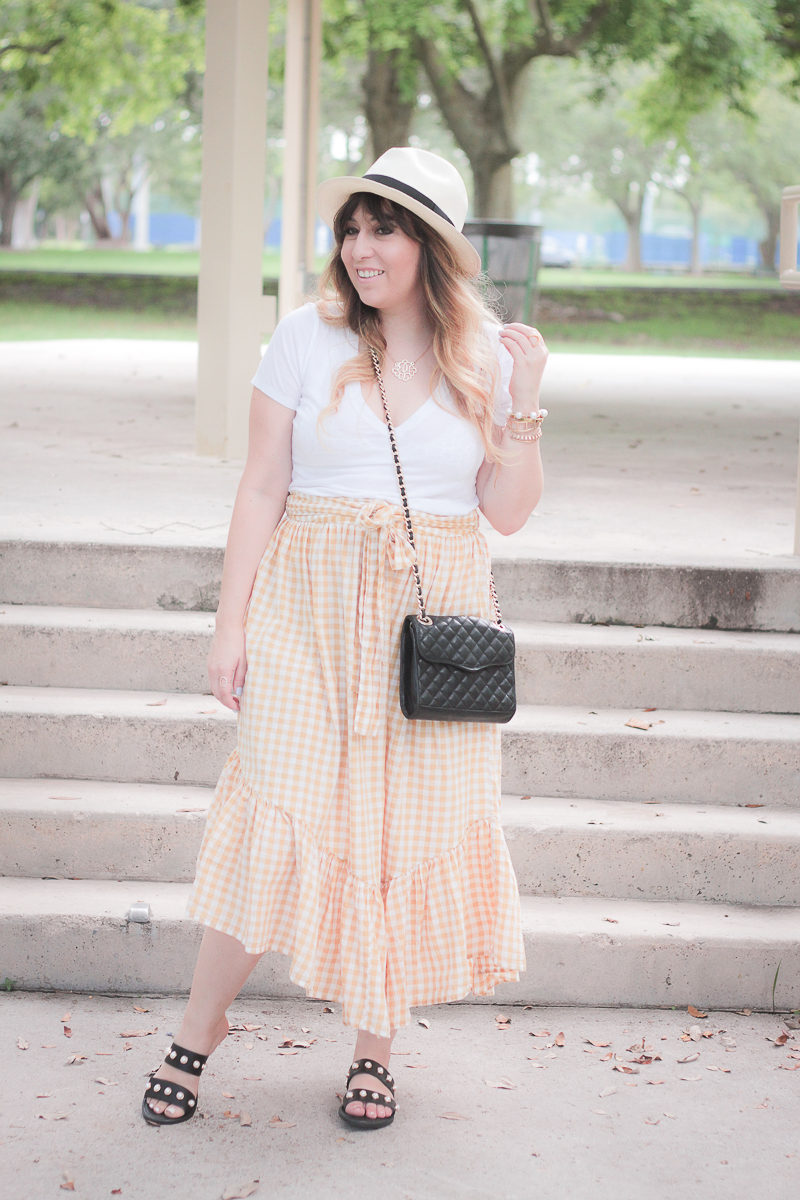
x: 466, y: 357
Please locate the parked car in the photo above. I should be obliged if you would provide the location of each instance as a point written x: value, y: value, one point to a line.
x: 553, y: 254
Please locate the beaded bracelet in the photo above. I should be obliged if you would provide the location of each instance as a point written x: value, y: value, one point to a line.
x: 526, y: 427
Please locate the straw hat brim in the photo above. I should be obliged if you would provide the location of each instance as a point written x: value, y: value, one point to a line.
x: 333, y: 193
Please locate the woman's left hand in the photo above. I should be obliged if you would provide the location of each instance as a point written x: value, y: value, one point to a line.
x: 529, y: 352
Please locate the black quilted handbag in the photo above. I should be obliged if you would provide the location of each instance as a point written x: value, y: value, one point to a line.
x: 452, y: 668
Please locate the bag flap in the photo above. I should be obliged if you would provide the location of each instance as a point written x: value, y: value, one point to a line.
x: 470, y: 643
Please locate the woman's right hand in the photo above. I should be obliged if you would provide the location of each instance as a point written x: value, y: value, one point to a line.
x: 227, y: 665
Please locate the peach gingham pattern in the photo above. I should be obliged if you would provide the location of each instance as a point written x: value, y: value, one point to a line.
x: 366, y: 847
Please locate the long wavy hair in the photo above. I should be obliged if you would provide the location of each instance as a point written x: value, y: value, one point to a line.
x: 465, y: 356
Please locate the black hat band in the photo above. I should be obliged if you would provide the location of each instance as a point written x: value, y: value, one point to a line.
x: 411, y: 192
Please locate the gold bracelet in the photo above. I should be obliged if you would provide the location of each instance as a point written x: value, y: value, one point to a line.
x: 526, y: 427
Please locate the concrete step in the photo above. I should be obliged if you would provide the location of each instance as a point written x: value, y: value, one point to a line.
x: 720, y: 595
x: 138, y: 648
x: 87, y: 829
x: 685, y: 757
x: 605, y: 666
x: 75, y: 935
x: 92, y: 829
x: 616, y: 666
x: 654, y: 852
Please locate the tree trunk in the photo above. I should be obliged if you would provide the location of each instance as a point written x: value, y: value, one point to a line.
x: 769, y: 246
x: 388, y: 113
x: 696, y: 266
x: 8, y: 203
x: 494, y: 188
x: 96, y: 208
x: 23, y: 226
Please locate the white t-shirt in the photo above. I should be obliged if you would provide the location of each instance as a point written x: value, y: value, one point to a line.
x: 348, y: 453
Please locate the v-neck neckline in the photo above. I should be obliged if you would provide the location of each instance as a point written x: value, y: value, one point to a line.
x: 412, y: 416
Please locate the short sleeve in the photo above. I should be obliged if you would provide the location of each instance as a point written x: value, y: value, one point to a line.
x: 502, y: 400
x: 280, y: 372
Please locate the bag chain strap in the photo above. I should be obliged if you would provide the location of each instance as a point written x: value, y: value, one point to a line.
x: 422, y: 616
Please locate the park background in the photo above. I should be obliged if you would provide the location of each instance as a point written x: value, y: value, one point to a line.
x: 650, y: 141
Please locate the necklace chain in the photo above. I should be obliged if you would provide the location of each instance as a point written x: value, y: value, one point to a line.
x: 405, y: 369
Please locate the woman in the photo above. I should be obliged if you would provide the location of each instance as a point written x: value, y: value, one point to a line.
x: 366, y: 847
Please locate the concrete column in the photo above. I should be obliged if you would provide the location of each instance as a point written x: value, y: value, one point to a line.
x: 790, y: 277
x: 233, y: 314
x: 301, y: 124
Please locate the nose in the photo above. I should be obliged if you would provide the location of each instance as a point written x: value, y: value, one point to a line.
x: 362, y: 246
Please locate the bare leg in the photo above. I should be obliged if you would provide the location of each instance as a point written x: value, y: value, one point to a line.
x: 222, y: 968
x: 379, y: 1051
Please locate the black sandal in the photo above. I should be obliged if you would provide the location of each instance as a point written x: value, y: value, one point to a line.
x: 366, y: 1066
x: 166, y: 1089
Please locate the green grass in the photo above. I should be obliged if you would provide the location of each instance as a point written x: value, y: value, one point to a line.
x: 153, y: 296
x: 31, y: 322
x: 187, y: 262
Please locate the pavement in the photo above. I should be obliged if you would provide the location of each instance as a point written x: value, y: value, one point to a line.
x: 519, y: 1103
x: 648, y: 460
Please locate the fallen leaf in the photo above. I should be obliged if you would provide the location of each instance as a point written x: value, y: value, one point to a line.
x: 541, y: 1033
x: 695, y: 1033
x: 506, y: 1084
x: 690, y: 1078
x: 425, y: 1024
x: 245, y: 1119
x: 106, y: 1082
x: 647, y: 1121
x: 695, y: 1012
x: 67, y: 1186
x: 502, y: 1022
x: 241, y: 1192
x: 304, y: 1045
x: 229, y: 1095
x: 22, y: 1044
x: 712, y: 1067
x: 788, y: 1067
x: 690, y: 1057
x: 416, y: 1066
x: 599, y: 1045
x: 76, y: 1058
x: 609, y: 1091
x: 43, y: 1095
x: 67, y: 1031
x: 327, y: 1010
x: 139, y: 1009
x: 654, y: 1082
x: 279, y: 1123
x: 452, y: 1116
x: 155, y: 703
x: 625, y: 1069
x: 286, y: 1043
x: 230, y: 1115
x: 611, y: 920
x: 638, y: 723
x: 780, y: 1040
x: 138, y: 1033
x: 52, y: 1116
x: 534, y: 1063
x: 65, y: 1020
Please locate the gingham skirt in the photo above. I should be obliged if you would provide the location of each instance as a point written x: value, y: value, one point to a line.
x: 366, y: 847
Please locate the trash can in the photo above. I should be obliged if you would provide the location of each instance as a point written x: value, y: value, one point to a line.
x: 510, y: 257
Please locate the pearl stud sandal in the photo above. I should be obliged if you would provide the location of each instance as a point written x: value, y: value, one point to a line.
x: 171, y: 1092
x: 366, y: 1066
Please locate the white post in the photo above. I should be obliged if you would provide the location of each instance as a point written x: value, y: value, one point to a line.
x: 790, y: 277
x: 141, y: 203
x: 300, y: 126
x: 232, y: 312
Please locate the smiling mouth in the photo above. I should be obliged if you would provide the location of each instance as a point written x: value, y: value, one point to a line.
x: 368, y: 274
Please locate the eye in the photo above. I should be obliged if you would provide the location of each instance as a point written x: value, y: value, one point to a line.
x: 385, y: 229
x: 350, y: 230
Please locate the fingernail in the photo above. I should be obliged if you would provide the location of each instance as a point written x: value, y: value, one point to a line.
x: 238, y: 691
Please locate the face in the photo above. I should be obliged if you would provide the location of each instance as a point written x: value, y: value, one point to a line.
x: 382, y: 262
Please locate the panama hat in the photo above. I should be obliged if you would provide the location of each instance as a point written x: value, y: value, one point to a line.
x: 418, y: 180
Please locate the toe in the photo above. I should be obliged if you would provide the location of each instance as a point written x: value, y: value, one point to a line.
x: 356, y: 1109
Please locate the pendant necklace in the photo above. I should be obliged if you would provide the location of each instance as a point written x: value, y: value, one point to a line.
x: 404, y: 369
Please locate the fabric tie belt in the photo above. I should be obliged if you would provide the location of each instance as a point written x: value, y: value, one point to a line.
x: 385, y: 544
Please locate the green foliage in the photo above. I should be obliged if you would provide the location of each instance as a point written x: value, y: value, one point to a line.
x: 102, y: 64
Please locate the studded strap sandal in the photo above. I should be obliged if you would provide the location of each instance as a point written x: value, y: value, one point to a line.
x: 366, y: 1066
x: 171, y: 1092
